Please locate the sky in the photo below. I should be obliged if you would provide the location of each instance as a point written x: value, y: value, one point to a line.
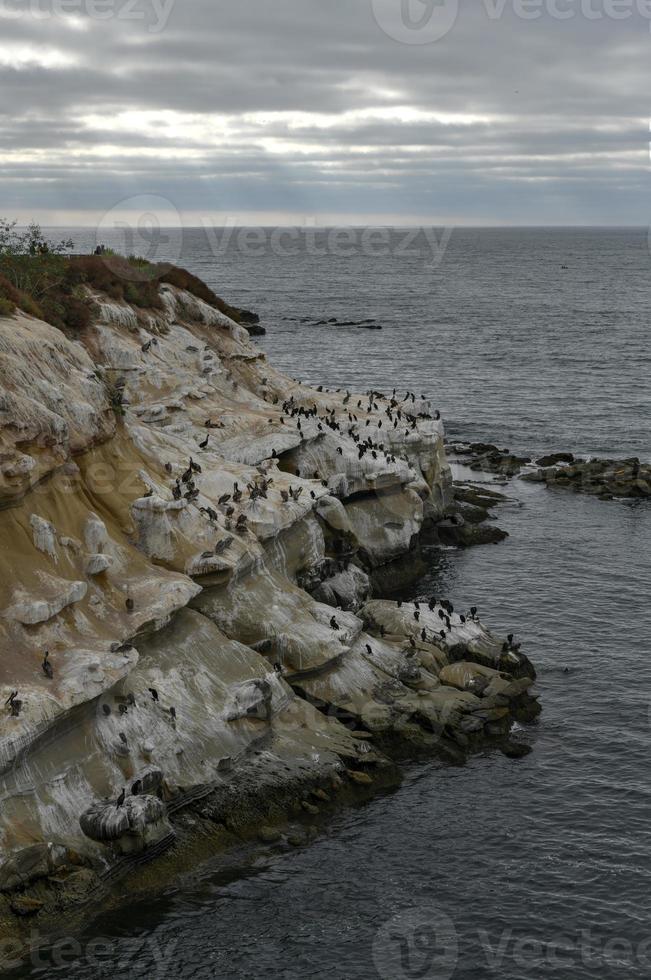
x: 455, y: 112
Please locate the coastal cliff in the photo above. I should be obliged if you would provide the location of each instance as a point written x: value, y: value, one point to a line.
x: 202, y: 547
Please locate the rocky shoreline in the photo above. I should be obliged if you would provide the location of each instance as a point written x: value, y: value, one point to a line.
x: 201, y: 547
x: 607, y: 479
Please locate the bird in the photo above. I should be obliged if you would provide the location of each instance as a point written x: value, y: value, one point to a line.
x: 223, y: 500
x: 204, y: 444
x: 177, y: 493
x: 168, y: 467
x: 173, y: 713
x: 223, y: 545
x: 120, y: 800
x: 14, y: 704
x: 154, y: 693
x: 369, y: 649
x: 146, y: 347
x: 334, y: 624
x: 416, y: 615
x: 241, y: 523
x: 423, y: 635
x: 106, y: 710
x: 48, y: 670
x: 124, y: 739
x: 130, y: 604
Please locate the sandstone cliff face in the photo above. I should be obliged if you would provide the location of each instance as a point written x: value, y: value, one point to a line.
x: 187, y: 631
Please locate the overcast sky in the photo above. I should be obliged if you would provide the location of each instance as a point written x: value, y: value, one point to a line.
x: 283, y: 111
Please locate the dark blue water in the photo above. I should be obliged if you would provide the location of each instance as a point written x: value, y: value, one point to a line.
x: 540, y: 868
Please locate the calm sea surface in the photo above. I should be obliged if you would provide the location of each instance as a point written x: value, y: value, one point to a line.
x: 540, y: 868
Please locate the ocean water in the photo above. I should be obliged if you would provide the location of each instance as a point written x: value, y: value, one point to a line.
x: 518, y: 870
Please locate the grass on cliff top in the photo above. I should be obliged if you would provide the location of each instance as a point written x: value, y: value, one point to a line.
x: 53, y: 287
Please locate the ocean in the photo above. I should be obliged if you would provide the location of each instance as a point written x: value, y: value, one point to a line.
x: 535, y: 340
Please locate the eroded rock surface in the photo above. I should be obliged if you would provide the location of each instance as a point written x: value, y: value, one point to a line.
x: 193, y: 539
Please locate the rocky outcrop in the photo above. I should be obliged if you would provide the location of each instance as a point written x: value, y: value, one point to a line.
x: 195, y: 541
x: 604, y: 478
x: 486, y: 458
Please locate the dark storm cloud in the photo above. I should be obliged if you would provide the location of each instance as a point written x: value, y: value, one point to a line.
x: 301, y: 106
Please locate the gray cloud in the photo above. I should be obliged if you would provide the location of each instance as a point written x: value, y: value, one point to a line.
x: 299, y: 107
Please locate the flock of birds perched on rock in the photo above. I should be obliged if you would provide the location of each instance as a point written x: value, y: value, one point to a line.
x: 396, y: 414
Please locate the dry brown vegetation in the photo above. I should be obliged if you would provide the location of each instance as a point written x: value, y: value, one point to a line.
x: 63, y: 299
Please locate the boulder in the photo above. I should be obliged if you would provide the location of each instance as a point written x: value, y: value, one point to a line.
x: 554, y: 458
x: 140, y: 822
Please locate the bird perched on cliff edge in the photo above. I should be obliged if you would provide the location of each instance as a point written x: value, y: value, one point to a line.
x: 120, y: 800
x: 14, y: 705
